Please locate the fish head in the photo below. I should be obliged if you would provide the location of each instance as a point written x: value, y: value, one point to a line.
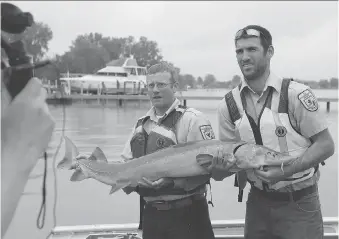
x: 250, y: 156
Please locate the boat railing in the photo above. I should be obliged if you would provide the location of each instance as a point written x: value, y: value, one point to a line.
x: 224, y: 229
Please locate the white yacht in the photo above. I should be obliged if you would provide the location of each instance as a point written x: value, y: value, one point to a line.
x: 121, y: 76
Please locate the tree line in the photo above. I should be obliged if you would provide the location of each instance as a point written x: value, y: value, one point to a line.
x: 90, y: 52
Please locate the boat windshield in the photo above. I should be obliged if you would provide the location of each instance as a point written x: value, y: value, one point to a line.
x: 120, y: 74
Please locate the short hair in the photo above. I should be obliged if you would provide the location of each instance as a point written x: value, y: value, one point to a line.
x: 164, y: 67
x: 265, y: 36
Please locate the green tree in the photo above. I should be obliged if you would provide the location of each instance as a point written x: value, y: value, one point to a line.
x: 145, y: 52
x: 35, y: 39
x: 324, y: 84
x: 190, y: 80
x: 200, y: 81
x: 235, y: 81
x: 209, y: 80
x: 334, y: 82
x: 86, y: 55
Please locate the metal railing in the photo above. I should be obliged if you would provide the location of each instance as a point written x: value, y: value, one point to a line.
x: 224, y: 229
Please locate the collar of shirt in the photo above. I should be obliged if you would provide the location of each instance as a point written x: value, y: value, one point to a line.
x: 272, y: 80
x: 152, y: 115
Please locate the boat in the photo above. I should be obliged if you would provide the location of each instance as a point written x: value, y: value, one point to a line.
x: 121, y: 76
x: 223, y: 229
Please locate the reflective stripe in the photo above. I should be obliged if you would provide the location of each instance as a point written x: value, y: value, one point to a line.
x: 283, y: 101
x: 138, y: 129
x: 165, y: 132
x: 232, y: 107
x: 280, y: 134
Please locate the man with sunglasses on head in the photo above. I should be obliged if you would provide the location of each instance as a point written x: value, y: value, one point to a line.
x: 174, y: 208
x: 283, y: 115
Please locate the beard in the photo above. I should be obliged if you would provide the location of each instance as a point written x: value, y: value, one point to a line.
x: 256, y: 73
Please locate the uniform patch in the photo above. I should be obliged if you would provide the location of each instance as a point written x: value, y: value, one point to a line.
x: 160, y: 142
x: 207, y: 132
x: 308, y: 99
x: 280, y: 131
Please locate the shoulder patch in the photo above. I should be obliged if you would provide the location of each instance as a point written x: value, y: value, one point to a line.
x: 207, y: 132
x: 308, y: 99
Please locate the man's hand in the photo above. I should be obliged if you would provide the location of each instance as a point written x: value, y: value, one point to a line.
x: 271, y: 174
x: 82, y: 156
x: 161, y: 183
x: 128, y: 189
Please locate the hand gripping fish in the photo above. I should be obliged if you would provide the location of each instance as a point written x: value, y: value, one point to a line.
x: 181, y: 160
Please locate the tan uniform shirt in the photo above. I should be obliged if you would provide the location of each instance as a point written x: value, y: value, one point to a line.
x: 192, y: 126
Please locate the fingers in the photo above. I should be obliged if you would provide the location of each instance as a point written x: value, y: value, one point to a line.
x: 159, y: 182
x: 214, y: 161
x: 220, y: 157
x: 145, y: 182
x: 262, y: 175
x: 156, y: 184
x: 81, y: 156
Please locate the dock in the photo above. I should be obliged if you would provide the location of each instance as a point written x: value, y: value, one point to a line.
x: 120, y: 99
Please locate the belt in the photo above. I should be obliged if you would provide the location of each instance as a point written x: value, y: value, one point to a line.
x: 175, y: 204
x: 286, y: 196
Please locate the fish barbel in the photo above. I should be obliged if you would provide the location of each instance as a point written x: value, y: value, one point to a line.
x: 178, y: 161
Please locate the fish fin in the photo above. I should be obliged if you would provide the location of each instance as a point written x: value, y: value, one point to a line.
x: 71, y: 151
x: 78, y: 175
x: 118, y: 186
x: 98, y: 155
x: 204, y: 160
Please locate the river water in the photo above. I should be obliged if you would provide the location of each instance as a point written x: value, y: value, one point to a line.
x: 89, y: 202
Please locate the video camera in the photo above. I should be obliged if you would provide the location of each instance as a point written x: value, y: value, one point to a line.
x: 19, y: 67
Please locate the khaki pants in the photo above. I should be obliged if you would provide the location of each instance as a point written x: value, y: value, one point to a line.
x: 278, y: 219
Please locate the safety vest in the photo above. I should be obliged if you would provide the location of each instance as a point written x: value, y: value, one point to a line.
x: 273, y: 130
x: 162, y: 135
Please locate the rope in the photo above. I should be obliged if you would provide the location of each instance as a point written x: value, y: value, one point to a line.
x: 43, y: 205
x: 41, y: 222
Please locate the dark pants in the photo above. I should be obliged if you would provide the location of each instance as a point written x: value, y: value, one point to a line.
x: 191, y: 221
x: 273, y: 219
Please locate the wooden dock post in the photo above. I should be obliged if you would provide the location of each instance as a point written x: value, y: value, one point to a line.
x: 98, y: 94
x: 120, y: 102
x: 328, y: 106
x: 185, y: 102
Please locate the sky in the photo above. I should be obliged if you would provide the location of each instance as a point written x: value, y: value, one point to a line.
x: 198, y: 37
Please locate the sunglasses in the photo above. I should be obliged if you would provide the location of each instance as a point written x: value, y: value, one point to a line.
x: 249, y: 32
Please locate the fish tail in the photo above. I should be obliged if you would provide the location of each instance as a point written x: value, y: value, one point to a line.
x: 69, y: 157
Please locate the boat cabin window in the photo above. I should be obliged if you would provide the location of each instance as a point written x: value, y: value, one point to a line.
x: 141, y: 72
x: 133, y: 71
x: 122, y: 74
x: 102, y: 73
